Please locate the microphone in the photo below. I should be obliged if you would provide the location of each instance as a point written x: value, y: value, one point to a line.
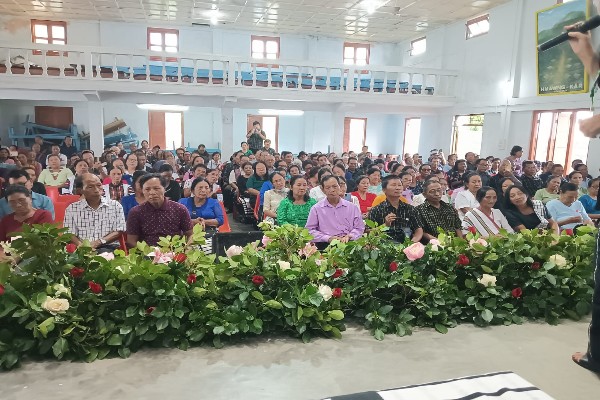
x: 584, y: 27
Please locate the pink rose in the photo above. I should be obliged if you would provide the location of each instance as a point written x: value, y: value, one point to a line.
x: 308, y: 250
x: 435, y: 244
x: 160, y: 257
x: 414, y: 251
x: 265, y: 241
x: 480, y: 241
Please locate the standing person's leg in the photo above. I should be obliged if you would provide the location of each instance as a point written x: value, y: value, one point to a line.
x: 591, y: 358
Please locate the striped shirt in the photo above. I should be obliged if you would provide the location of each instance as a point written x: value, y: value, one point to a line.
x: 89, y: 224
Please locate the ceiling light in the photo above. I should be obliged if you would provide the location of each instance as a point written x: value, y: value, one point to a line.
x: 291, y: 113
x: 162, y: 107
x: 370, y: 6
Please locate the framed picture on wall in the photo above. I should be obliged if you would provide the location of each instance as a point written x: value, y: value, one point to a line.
x: 559, y: 71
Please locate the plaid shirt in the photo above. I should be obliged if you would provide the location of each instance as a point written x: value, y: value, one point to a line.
x: 89, y: 224
x: 255, y: 141
x: 531, y: 184
x: 406, y: 223
x: 433, y: 218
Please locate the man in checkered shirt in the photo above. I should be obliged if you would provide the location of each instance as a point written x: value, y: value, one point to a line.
x: 94, y: 218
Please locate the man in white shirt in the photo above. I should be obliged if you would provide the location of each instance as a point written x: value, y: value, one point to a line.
x: 55, y: 151
x: 94, y: 218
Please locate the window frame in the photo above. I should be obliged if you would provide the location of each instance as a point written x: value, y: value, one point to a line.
x: 49, y: 24
x: 406, y: 122
x: 355, y: 46
x: 346, y: 140
x: 162, y: 31
x: 412, y: 43
x: 265, y: 39
x: 473, y: 21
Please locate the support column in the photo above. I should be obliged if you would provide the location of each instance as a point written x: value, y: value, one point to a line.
x: 96, y: 126
x: 227, y: 137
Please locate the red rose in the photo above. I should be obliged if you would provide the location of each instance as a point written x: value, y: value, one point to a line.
x: 517, y: 293
x: 149, y: 310
x: 71, y: 248
x: 1, y: 290
x: 258, y: 280
x: 569, y: 232
x: 535, y: 266
x: 337, y: 293
x: 96, y: 288
x: 180, y: 258
x: 472, y: 230
x: 393, y: 266
x: 191, y: 279
x: 338, y: 272
x: 77, y: 272
x: 463, y: 260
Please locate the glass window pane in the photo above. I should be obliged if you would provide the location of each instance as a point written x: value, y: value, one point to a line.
x: 156, y: 39
x: 361, y: 61
x: 418, y: 47
x: 271, y: 56
x: 61, y: 42
x: 562, y: 138
x: 44, y: 41
x: 40, y: 30
x: 173, y: 134
x: 171, y: 39
x: 348, y: 61
x: 258, y: 46
x: 361, y: 52
x: 58, y: 32
x: 156, y: 48
x: 258, y: 55
x: 412, y: 135
x: 349, y: 52
x: 272, y: 47
x: 356, y: 134
x: 580, y: 143
x: 171, y: 49
x: 543, y: 136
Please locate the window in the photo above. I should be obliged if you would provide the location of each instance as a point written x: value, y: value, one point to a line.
x: 478, y: 26
x: 356, y: 53
x: 412, y: 135
x: 418, y: 46
x: 467, y: 134
x: 165, y: 129
x: 164, y: 40
x: 48, y: 32
x: 355, y: 133
x: 265, y: 47
x: 556, y: 136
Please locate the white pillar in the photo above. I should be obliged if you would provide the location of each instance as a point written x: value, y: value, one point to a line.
x: 227, y: 136
x: 337, y: 138
x: 96, y: 126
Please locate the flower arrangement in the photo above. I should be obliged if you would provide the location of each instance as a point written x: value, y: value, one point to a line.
x: 67, y: 302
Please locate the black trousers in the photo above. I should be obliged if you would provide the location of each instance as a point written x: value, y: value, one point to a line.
x: 594, y: 331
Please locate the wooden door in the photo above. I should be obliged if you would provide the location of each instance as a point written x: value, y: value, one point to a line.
x: 55, y: 117
x: 157, y: 129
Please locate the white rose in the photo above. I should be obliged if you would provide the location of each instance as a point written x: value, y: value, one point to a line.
x: 487, y: 280
x: 283, y: 265
x: 60, y: 289
x: 326, y: 292
x: 435, y: 244
x: 480, y: 241
x: 558, y: 260
x: 234, y: 251
x: 107, y: 256
x: 318, y: 261
x: 55, y: 306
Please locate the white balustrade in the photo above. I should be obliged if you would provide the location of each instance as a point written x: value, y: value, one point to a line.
x: 36, y: 61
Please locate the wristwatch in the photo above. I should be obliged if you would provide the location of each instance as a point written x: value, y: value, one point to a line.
x: 102, y: 241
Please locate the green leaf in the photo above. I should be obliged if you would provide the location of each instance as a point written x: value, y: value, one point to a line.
x: 300, y: 312
x: 441, y: 328
x: 46, y: 326
x: 60, y: 347
x: 243, y: 296
x: 487, y: 269
x: 558, y: 300
x: 4, y: 272
x: 162, y: 323
x: 114, y: 340
x: 379, y: 334
x: 385, y: 309
x: 487, y: 315
x: 274, y: 304
x: 124, y: 352
x: 316, y: 299
x: 582, y: 308
x: 257, y: 295
x: 551, y: 279
x: 337, y: 315
x: 125, y: 330
x: 217, y: 330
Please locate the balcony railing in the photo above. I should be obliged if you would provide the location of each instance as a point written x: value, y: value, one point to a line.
x: 102, y: 64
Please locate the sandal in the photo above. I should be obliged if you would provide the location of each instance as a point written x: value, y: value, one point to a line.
x: 586, y: 362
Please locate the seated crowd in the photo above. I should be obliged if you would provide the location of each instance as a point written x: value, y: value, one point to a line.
x: 148, y: 192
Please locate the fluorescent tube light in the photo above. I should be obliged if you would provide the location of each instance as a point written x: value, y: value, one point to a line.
x: 162, y: 107
x: 293, y: 113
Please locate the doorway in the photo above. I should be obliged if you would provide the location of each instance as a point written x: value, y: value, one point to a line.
x: 165, y: 129
x: 269, y: 124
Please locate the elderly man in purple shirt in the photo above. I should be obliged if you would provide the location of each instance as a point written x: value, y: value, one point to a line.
x: 158, y: 217
x: 333, y: 217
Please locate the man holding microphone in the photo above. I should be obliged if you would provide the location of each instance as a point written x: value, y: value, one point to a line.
x: 582, y: 46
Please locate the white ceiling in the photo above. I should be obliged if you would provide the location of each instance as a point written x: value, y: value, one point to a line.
x: 393, y: 20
